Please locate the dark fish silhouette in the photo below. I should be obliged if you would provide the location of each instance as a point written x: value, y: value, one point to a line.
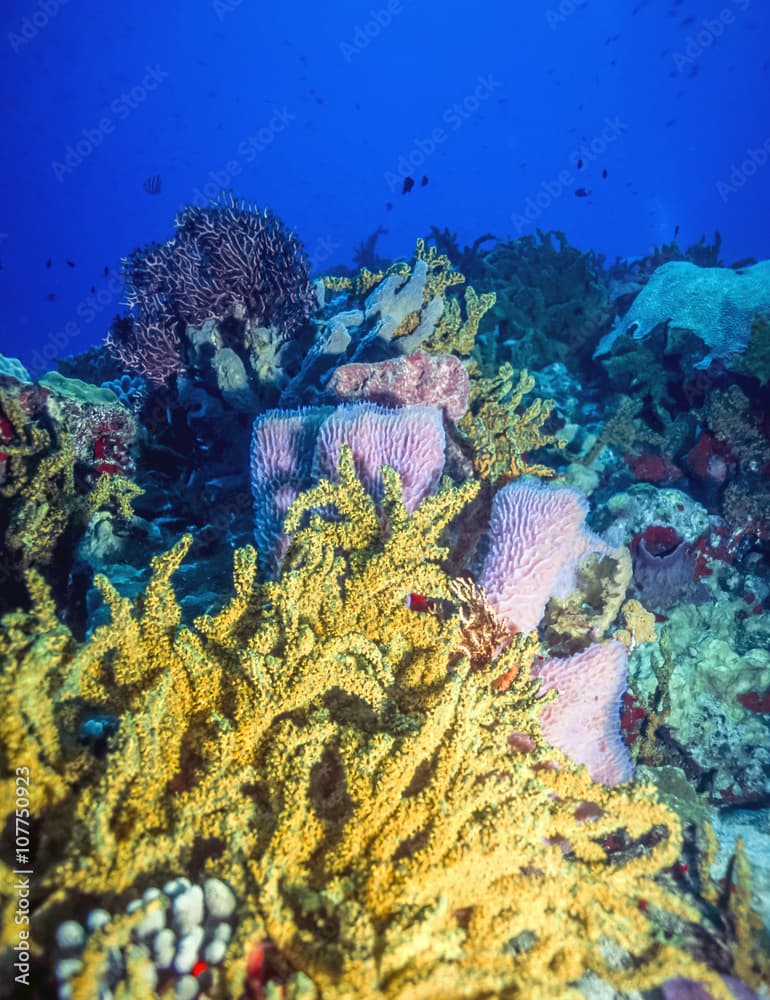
x: 152, y: 185
x: 388, y: 205
x: 423, y: 181
x: 106, y: 270
x: 48, y: 262
x: 670, y: 122
x: 686, y: 21
x: 582, y: 193
x: 70, y: 263
x: 51, y: 296
x: 93, y: 289
x: 408, y: 185
x: 676, y: 230
x: 604, y: 173
x: 580, y: 164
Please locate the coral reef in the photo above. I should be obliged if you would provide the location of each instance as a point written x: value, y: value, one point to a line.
x: 63, y: 458
x: 435, y: 735
x: 333, y: 756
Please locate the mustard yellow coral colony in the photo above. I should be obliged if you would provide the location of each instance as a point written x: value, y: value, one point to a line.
x: 388, y: 815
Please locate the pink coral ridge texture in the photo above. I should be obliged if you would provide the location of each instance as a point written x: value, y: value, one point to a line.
x: 537, y: 539
x: 410, y: 440
x: 417, y: 379
x: 584, y: 720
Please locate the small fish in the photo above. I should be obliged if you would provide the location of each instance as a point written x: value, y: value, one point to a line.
x: 106, y: 270
x: 70, y: 263
x: 423, y: 181
x: 152, y: 185
x: 582, y: 193
x: 580, y: 164
x: 670, y: 122
x: 48, y: 262
x: 388, y: 206
x: 93, y: 289
x: 51, y: 296
x: 604, y: 173
x: 418, y: 602
x: 686, y: 21
x: 408, y: 185
x: 430, y: 606
x: 676, y: 230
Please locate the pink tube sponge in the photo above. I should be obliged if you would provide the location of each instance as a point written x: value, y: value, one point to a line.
x: 410, y: 440
x: 281, y: 452
x: 584, y: 721
x: 537, y: 538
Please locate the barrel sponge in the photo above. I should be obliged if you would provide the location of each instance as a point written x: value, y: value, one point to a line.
x: 584, y: 720
x: 537, y: 539
x: 409, y: 439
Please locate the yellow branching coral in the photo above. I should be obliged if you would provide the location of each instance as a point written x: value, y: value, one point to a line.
x: 453, y: 334
x: 624, y: 431
x: 39, y: 483
x: 441, y: 274
x: 341, y: 763
x: 501, y: 435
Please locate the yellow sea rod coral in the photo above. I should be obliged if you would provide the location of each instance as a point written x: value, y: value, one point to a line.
x: 500, y: 433
x: 387, y: 814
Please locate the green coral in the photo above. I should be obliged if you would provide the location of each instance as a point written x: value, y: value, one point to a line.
x: 552, y: 302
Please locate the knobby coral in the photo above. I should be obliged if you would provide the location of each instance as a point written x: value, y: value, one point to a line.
x: 389, y: 816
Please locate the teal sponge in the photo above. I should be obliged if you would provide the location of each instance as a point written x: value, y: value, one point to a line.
x: 716, y: 305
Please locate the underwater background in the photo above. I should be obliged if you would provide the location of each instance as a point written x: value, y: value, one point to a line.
x: 385, y: 500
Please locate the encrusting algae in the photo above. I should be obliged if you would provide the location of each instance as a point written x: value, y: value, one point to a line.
x: 385, y: 810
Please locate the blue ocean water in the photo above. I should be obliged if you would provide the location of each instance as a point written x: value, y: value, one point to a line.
x: 321, y: 111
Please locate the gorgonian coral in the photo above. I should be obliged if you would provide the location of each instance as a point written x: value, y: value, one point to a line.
x: 226, y: 262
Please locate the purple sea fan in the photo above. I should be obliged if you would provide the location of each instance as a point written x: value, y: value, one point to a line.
x: 537, y: 539
x: 409, y: 439
x: 226, y: 261
x: 282, y: 444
